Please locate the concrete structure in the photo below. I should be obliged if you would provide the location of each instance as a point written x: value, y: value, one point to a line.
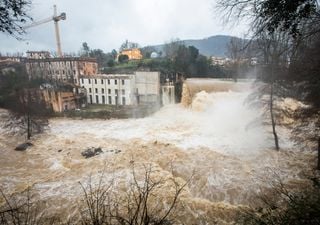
x: 132, y: 53
x: 122, y: 89
x: 147, y: 87
x: 168, y: 94
x: 65, y: 70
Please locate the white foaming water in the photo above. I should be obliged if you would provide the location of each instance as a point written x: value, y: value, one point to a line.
x: 219, y: 121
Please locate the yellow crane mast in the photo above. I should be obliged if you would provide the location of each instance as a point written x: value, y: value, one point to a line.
x: 56, y: 18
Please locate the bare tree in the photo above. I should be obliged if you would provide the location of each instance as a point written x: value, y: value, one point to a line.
x: 236, y: 50
x: 171, y: 49
x: 291, y: 16
x: 281, y: 204
x: 29, y: 111
x: 139, y: 204
x: 22, y: 210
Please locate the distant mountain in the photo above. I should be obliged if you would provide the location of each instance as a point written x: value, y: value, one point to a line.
x: 211, y: 46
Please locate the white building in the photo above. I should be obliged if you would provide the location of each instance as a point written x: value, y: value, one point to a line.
x: 122, y: 89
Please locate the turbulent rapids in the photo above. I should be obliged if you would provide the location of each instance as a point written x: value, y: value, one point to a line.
x: 214, y: 135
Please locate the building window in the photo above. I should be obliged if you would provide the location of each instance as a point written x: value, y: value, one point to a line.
x: 122, y: 81
x: 123, y: 100
x: 103, y: 100
x: 82, y: 82
x: 102, y: 90
x: 116, y: 100
x: 109, y: 100
x: 89, y: 90
x: 101, y: 81
x: 90, y: 99
x: 96, y: 90
x: 123, y: 92
x: 108, y: 81
x: 89, y: 81
x: 97, y: 99
x: 116, y: 92
x: 109, y: 91
x: 115, y: 82
x: 95, y: 81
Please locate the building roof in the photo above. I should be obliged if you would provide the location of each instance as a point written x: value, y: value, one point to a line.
x: 63, y: 59
x: 108, y: 76
x: 130, y: 49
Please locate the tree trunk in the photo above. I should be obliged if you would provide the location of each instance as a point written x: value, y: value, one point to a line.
x: 273, y: 123
x: 318, y: 154
x: 28, y: 127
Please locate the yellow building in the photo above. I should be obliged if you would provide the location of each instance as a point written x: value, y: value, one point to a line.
x: 132, y: 53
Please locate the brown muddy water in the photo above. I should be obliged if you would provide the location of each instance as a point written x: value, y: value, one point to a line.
x: 217, y: 137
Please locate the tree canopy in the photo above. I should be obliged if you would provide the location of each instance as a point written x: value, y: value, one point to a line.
x: 13, y: 14
x: 271, y: 15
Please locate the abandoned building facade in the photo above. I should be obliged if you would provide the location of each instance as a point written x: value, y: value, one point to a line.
x: 64, y: 98
x: 65, y: 69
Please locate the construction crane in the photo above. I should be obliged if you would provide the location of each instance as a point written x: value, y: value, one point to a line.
x: 56, y: 18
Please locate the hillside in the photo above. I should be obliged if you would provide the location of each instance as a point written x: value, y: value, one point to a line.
x: 211, y: 46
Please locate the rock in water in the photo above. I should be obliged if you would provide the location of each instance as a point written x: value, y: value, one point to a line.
x: 23, y: 146
x: 90, y: 152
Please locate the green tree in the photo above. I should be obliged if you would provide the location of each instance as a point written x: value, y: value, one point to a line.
x: 111, y: 63
x: 85, y: 49
x: 114, y: 54
x: 123, y: 58
x: 146, y: 51
x: 127, y: 45
x: 100, y: 56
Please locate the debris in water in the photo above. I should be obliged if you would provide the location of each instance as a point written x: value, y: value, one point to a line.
x: 23, y: 146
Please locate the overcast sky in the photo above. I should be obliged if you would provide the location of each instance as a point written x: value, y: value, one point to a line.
x: 105, y: 24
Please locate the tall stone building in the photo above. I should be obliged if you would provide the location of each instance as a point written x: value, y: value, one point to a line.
x: 65, y: 69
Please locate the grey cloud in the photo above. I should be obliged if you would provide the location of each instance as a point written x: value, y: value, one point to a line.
x: 106, y: 24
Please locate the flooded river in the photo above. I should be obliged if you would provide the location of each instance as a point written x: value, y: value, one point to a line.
x: 216, y: 137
